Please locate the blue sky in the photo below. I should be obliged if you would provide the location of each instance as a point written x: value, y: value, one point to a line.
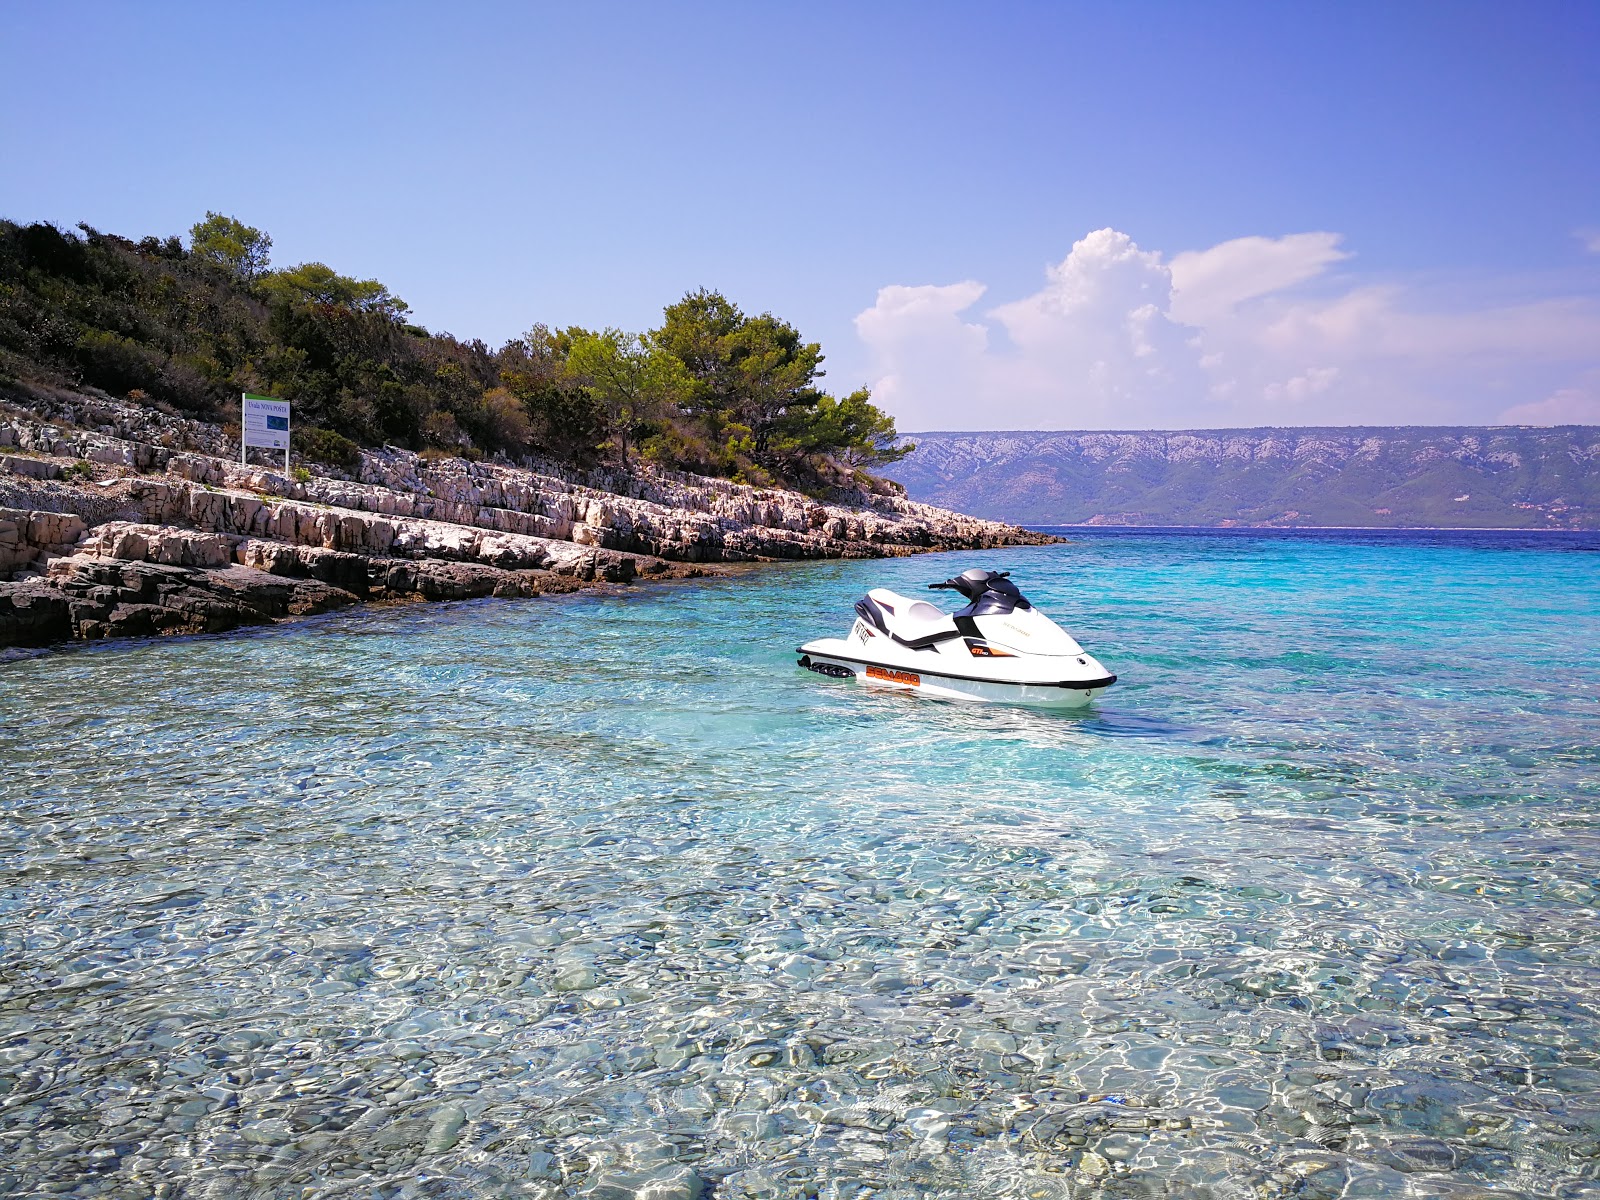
x: 1000, y: 216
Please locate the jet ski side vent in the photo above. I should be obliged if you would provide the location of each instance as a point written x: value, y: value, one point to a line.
x: 832, y: 670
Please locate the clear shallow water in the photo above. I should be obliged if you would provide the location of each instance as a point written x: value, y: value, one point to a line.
x: 556, y: 898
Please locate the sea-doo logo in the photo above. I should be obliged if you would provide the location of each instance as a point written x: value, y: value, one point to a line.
x: 891, y: 676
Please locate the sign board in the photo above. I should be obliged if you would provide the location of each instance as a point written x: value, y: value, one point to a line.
x: 266, y: 422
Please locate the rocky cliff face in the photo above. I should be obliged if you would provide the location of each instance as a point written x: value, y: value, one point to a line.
x: 1515, y: 477
x: 91, y: 487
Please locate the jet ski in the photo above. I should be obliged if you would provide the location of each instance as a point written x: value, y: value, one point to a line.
x: 998, y: 647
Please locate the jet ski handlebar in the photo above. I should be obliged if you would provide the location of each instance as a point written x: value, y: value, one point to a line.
x: 973, y: 583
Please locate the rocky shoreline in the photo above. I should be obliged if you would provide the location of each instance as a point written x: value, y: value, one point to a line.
x: 117, y: 520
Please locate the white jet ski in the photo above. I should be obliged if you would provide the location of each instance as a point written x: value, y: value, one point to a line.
x: 999, y: 647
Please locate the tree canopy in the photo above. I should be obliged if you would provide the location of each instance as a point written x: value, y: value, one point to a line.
x: 712, y: 389
x: 316, y: 283
x: 232, y: 245
x: 635, y: 382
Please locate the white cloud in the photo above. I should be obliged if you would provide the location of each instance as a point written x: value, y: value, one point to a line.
x: 1122, y: 337
x: 1577, y: 405
x: 1210, y: 284
x: 1313, y: 382
x: 1099, y: 332
x: 1589, y: 239
x: 1375, y: 322
x: 1093, y: 343
x: 907, y: 311
x: 1104, y: 280
x: 930, y: 360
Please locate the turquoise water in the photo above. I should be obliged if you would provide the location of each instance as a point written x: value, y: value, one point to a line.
x: 603, y: 896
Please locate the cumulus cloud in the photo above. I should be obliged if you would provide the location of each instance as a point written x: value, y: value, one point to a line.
x: 1255, y: 330
x: 1094, y: 341
x: 1100, y: 330
x: 908, y: 311
x: 930, y: 359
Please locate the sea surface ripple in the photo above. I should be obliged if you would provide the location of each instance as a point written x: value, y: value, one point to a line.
x: 603, y: 896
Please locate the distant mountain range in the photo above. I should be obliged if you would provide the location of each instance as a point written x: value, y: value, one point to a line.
x: 1370, y: 476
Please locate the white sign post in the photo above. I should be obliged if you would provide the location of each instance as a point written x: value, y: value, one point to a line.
x: 265, y: 424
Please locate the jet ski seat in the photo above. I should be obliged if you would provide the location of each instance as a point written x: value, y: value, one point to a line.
x: 913, y: 623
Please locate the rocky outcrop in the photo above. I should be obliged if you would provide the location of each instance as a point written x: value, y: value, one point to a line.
x: 664, y: 514
x: 125, y: 521
x: 89, y: 598
x: 28, y: 538
x: 129, y: 579
x: 349, y: 568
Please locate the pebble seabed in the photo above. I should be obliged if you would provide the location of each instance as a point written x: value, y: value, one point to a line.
x: 603, y: 897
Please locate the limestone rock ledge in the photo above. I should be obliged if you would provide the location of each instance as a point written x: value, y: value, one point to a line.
x: 140, y: 580
x: 125, y: 521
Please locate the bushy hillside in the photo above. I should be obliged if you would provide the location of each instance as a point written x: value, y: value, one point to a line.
x: 189, y: 324
x: 1516, y: 477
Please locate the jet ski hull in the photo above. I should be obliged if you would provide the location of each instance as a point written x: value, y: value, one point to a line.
x: 941, y: 675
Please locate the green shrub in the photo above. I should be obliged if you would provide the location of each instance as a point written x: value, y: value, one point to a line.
x: 118, y: 364
x: 325, y: 446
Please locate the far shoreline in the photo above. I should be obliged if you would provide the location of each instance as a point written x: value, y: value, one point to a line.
x: 1533, y: 530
